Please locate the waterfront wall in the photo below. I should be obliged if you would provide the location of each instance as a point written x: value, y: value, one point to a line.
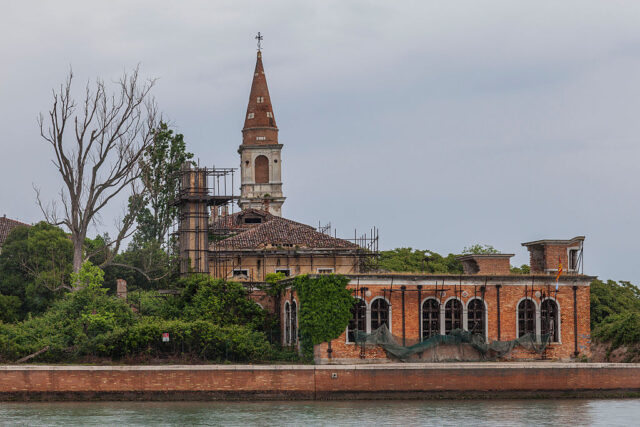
x: 316, y: 382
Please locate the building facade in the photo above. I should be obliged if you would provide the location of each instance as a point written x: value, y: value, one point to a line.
x: 487, y: 300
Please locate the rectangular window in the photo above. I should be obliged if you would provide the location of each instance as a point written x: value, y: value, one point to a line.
x: 325, y: 270
x: 241, y: 273
x: 574, y: 254
x: 260, y: 99
x: 261, y: 138
x: 269, y: 114
x: 285, y: 271
x: 250, y: 116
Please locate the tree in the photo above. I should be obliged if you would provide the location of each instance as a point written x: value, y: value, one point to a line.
x: 97, y: 151
x: 160, y: 166
x: 418, y: 261
x: 480, y: 249
x: 35, y: 263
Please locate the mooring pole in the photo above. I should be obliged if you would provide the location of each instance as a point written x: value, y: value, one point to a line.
x: 498, y: 307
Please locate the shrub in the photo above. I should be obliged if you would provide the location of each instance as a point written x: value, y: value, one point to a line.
x: 620, y: 329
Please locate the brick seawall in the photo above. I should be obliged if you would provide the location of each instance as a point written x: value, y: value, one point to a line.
x: 203, y: 382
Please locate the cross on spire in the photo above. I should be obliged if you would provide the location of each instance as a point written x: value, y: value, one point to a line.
x: 259, y: 38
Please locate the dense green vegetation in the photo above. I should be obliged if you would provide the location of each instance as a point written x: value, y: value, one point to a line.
x: 209, y: 320
x: 325, y: 308
x: 615, y: 313
x: 35, y: 264
x: 418, y: 261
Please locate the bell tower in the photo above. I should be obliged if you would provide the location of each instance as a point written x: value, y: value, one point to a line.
x: 260, y: 152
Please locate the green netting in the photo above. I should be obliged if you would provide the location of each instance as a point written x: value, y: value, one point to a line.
x: 458, y: 345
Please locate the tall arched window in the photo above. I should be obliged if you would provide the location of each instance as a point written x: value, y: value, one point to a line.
x: 358, y: 321
x: 287, y: 323
x: 452, y: 315
x: 294, y: 322
x: 261, y: 169
x: 430, y: 318
x: 379, y: 313
x: 549, y: 319
x: 476, y: 317
x: 526, y: 317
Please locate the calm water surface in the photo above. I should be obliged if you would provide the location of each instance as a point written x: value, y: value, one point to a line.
x: 576, y: 412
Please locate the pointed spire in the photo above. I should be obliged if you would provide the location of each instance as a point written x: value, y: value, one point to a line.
x: 259, y: 123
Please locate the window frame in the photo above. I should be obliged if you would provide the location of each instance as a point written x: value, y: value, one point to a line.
x: 371, y: 313
x: 558, y: 320
x: 360, y: 301
x: 438, y: 318
x: 460, y: 322
x: 287, y: 324
x: 237, y: 270
x: 325, y: 270
x: 534, y: 319
x: 293, y: 318
x: 484, y: 317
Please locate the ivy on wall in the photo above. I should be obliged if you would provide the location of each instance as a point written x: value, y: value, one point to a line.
x: 325, y: 308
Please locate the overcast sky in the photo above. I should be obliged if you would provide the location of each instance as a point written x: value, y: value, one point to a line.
x: 444, y: 123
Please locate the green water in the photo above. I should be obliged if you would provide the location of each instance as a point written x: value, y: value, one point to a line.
x: 574, y: 412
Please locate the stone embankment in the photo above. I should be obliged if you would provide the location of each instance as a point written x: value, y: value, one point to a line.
x: 260, y: 382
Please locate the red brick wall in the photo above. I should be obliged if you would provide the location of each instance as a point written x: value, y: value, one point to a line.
x: 510, y: 295
x: 78, y: 382
x: 497, y: 266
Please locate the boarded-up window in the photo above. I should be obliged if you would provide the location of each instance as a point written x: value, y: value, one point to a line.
x: 262, y: 170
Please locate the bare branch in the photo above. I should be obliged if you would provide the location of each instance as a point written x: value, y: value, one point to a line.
x: 99, y: 158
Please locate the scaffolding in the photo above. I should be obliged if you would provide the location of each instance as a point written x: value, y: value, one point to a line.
x: 202, y: 191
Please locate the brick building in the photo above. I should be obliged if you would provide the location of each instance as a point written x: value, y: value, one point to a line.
x: 248, y: 245
x: 486, y: 300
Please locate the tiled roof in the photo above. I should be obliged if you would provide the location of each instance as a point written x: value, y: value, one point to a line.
x: 6, y: 225
x: 275, y: 231
x: 235, y: 220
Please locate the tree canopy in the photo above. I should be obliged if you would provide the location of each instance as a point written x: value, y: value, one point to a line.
x: 418, y: 261
x: 160, y: 165
x: 35, y: 262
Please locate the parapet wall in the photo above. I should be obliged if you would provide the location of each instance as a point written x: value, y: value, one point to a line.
x: 207, y: 382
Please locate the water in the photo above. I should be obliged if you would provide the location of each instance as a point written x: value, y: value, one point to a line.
x: 405, y: 413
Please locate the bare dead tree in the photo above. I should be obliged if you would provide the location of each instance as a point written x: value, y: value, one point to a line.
x: 97, y: 152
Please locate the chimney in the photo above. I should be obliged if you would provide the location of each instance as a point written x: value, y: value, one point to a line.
x: 121, y: 288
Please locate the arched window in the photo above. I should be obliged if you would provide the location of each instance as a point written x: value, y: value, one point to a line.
x: 287, y: 323
x: 379, y: 313
x: 262, y: 170
x: 452, y: 315
x: 358, y: 321
x: 475, y: 317
x: 430, y: 318
x: 294, y: 322
x: 549, y: 319
x: 526, y: 317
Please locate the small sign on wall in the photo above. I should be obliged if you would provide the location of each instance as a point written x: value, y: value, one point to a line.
x: 165, y: 337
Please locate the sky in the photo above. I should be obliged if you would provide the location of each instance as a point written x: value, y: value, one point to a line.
x: 443, y: 123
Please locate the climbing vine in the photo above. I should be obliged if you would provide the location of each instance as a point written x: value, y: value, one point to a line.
x: 325, y: 308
